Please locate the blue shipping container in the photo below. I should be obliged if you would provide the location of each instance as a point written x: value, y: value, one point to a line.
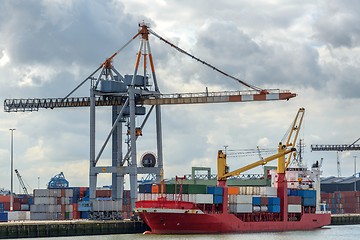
x: 309, y: 202
x: 307, y: 193
x: 84, y: 215
x: 273, y: 201
x: 293, y: 192
x: 1, y: 207
x: 274, y: 208
x: 145, y: 188
x: 214, y: 190
x: 217, y: 199
x: 256, y: 201
x: 3, y: 217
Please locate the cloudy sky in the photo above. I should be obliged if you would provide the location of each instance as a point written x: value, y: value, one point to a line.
x: 308, y: 47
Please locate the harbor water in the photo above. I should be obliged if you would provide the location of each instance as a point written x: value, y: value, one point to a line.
x: 344, y: 232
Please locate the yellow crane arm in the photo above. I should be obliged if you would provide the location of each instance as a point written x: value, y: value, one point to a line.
x: 223, y: 173
x: 294, y: 132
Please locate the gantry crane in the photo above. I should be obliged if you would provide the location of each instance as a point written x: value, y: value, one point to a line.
x: 338, y: 148
x: 128, y: 95
x: 283, y: 149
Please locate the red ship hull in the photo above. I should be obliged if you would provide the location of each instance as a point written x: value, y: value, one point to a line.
x: 181, y: 221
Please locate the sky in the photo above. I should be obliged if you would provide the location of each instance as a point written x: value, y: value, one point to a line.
x: 308, y: 47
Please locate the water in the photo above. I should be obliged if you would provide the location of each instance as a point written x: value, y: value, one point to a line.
x: 350, y: 232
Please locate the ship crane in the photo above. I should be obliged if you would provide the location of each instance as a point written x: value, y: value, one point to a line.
x: 338, y: 148
x: 128, y: 95
x: 284, y: 149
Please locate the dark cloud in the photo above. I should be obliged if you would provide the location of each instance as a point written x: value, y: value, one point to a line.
x: 337, y: 23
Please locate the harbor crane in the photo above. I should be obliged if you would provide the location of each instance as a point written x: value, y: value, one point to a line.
x: 21, y: 182
x: 129, y: 95
x: 338, y: 148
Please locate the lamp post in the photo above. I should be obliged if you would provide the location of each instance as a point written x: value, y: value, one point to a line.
x: 12, y: 170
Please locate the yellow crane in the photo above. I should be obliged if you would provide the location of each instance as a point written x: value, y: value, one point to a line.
x: 283, y: 150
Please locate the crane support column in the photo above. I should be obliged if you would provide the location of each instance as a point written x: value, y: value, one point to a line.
x: 93, y: 175
x: 117, y: 178
x: 133, y: 168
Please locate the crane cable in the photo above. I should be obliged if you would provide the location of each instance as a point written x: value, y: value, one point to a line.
x: 205, y: 63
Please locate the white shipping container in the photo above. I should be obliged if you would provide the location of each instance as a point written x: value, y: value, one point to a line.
x: 45, y: 200
x: 155, y: 196
x: 140, y: 197
x: 243, y: 208
x: 147, y: 196
x: 69, y: 193
x: 54, y: 192
x: 240, y: 199
x: 106, y: 206
x: 294, y: 208
x: 68, y: 208
x: 45, y: 216
x: 66, y: 200
x: 170, y: 196
x: 41, y: 193
x: 268, y: 191
x: 17, y: 216
x: 201, y: 198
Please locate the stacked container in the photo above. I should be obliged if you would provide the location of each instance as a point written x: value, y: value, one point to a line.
x: 52, y: 204
x: 342, y: 202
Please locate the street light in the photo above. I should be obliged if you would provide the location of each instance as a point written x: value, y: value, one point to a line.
x: 12, y: 170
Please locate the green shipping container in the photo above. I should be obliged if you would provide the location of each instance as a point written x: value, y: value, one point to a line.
x: 186, y: 189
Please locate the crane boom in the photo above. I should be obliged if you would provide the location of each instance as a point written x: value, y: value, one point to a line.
x: 34, y: 104
x: 21, y: 182
x: 223, y: 173
x: 294, y: 132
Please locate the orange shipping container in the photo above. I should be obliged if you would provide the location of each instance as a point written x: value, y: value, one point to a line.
x: 155, y: 188
x: 233, y: 190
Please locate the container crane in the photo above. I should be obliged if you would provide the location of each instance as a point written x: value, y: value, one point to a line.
x: 338, y: 148
x: 128, y: 95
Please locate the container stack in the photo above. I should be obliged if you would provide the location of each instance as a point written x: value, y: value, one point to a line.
x: 20, y: 203
x: 342, y: 202
x: 52, y: 204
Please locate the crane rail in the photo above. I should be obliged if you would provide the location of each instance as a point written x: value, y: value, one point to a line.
x: 34, y: 104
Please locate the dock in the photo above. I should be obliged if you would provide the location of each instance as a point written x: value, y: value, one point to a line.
x: 345, y: 219
x: 34, y: 229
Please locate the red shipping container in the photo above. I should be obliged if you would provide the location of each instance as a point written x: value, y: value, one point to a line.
x: 103, y: 193
x: 294, y: 200
x: 264, y: 201
x: 5, y: 199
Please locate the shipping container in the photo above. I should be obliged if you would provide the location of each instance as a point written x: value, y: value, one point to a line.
x: 240, y: 199
x: 214, y: 190
x: 294, y: 208
x: 240, y: 208
x: 218, y: 199
x: 233, y: 190
x: 273, y: 201
x: 3, y: 216
x: 256, y: 201
x: 274, y: 208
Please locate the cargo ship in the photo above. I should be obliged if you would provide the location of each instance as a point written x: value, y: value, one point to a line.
x: 229, y: 209
x: 225, y: 209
